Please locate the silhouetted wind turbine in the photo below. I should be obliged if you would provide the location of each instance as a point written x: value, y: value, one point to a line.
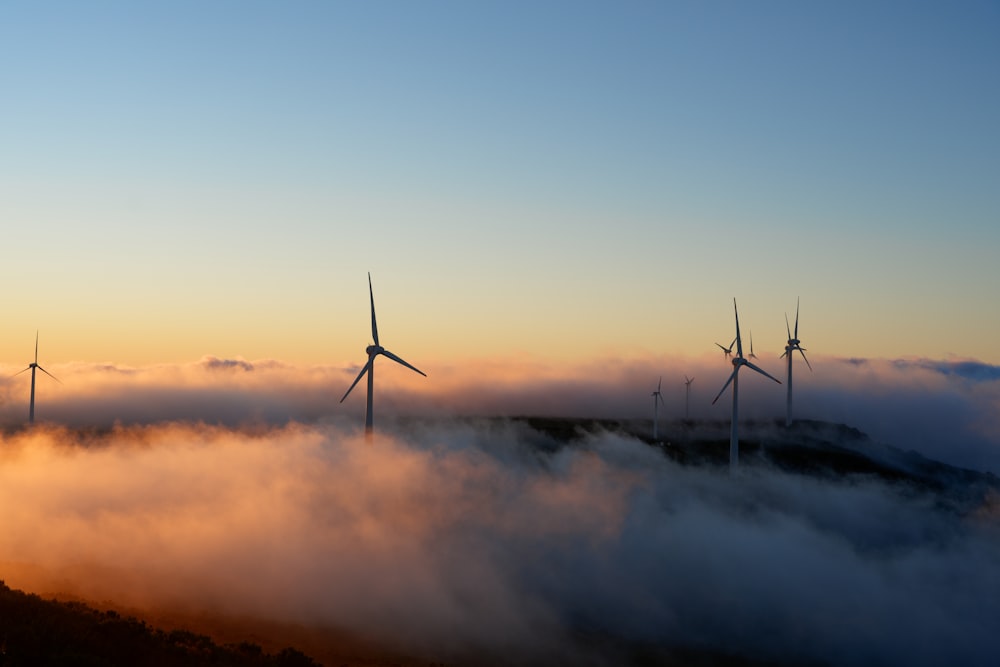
x: 31, y: 367
x: 790, y: 347
x: 738, y: 362
x: 726, y: 351
x: 373, y: 351
x: 687, y: 397
x: 752, y: 355
x: 657, y: 400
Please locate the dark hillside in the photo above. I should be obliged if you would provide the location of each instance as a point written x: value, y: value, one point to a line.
x: 36, y: 633
x: 811, y: 448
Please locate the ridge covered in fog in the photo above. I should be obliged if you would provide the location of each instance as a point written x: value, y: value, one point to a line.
x: 507, y: 539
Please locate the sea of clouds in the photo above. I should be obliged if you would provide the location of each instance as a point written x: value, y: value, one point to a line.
x: 947, y: 410
x: 459, y: 537
x: 245, y: 488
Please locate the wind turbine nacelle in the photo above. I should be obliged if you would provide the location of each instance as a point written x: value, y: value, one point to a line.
x: 373, y: 349
x: 792, y: 343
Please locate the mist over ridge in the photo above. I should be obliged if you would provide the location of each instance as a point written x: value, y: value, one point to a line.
x: 943, y: 409
x: 461, y: 536
x: 235, y: 486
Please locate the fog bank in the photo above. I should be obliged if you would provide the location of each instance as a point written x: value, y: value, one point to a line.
x: 458, y: 536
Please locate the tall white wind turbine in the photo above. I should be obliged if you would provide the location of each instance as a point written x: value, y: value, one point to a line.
x: 657, y: 400
x: 738, y: 362
x: 790, y: 347
x: 687, y: 397
x: 373, y: 351
x: 31, y: 367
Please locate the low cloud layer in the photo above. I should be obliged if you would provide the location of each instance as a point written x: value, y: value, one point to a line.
x: 458, y: 538
x: 943, y: 409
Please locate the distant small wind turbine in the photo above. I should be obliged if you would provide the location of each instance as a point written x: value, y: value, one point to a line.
x: 752, y: 355
x: 738, y: 362
x: 31, y: 367
x: 790, y: 347
x: 657, y: 400
x: 373, y: 351
x: 687, y: 397
x: 726, y: 351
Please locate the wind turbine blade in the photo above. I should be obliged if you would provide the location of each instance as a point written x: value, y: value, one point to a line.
x: 49, y: 374
x: 763, y: 372
x: 662, y: 402
x: 725, y: 349
x: 371, y: 295
x: 21, y: 371
x: 659, y: 385
x: 400, y: 361
x: 788, y: 328
x: 796, y: 317
x: 735, y: 371
x: 783, y: 354
x: 739, y: 343
x: 36, y: 346
x: 360, y: 375
x: 804, y: 358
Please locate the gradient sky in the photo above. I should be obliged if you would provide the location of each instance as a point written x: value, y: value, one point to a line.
x: 567, y: 180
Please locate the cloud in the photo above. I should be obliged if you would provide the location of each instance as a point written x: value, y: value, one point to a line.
x: 966, y: 369
x: 943, y: 409
x: 215, y: 363
x: 458, y: 538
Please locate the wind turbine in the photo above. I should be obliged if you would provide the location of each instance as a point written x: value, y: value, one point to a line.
x: 726, y: 351
x: 752, y: 355
x: 657, y: 400
x: 738, y: 362
x: 790, y: 347
x: 687, y: 397
x: 373, y: 351
x: 31, y: 367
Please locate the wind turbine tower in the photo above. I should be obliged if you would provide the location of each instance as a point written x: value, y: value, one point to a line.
x: 790, y: 347
x: 657, y: 400
x: 738, y: 362
x: 374, y: 351
x: 31, y: 367
x: 687, y: 397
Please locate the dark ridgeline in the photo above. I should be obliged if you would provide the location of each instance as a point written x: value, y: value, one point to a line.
x: 809, y: 448
x: 38, y: 633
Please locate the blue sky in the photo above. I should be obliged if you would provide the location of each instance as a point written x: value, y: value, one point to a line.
x: 567, y: 179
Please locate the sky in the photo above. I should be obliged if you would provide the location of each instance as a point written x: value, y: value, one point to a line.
x: 565, y: 182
